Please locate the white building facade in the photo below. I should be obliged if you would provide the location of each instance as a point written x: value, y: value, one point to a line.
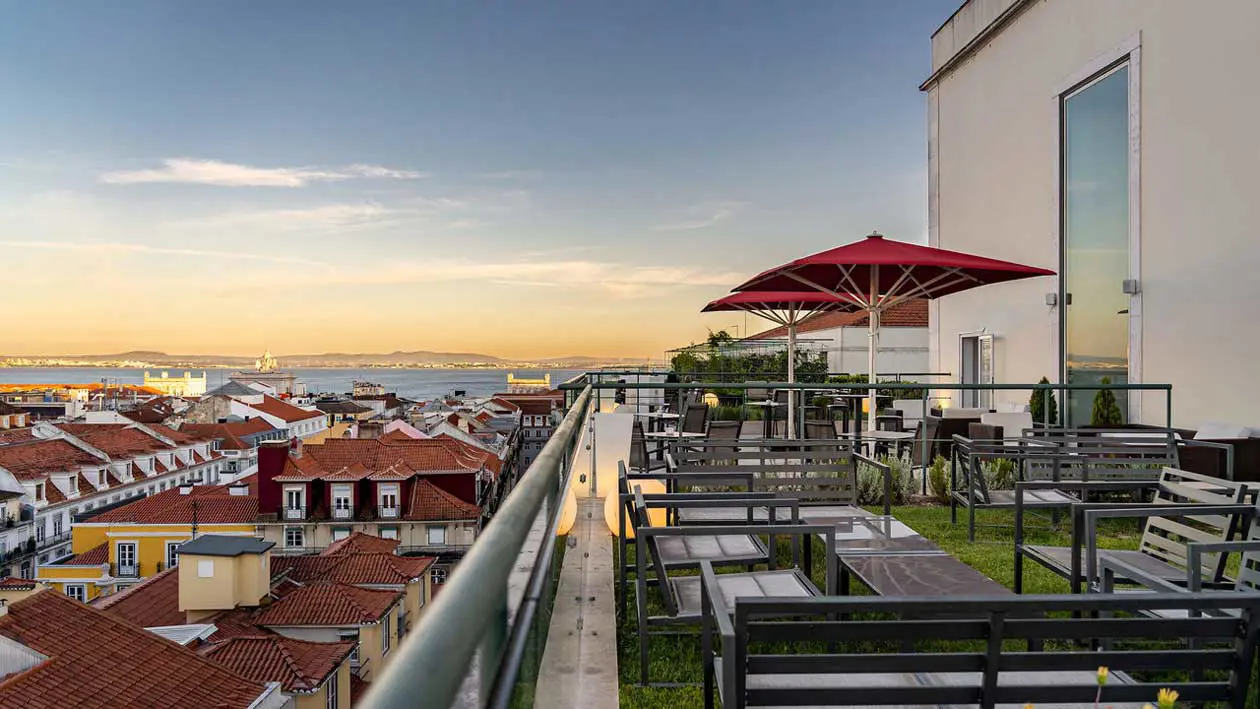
x: 1111, y: 142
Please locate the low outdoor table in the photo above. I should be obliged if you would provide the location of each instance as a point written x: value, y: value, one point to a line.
x: 656, y: 418
x: 909, y: 574
x: 676, y: 436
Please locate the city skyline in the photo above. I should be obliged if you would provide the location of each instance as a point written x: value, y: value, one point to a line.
x: 562, y: 180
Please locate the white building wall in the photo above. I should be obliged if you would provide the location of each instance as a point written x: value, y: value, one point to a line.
x: 994, y: 156
x: 901, y: 349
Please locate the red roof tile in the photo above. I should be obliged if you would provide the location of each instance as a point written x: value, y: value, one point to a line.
x: 39, y: 457
x: 430, y: 503
x: 911, y: 313
x: 92, y: 557
x: 299, y: 666
x: 235, y: 623
x: 11, y: 583
x: 329, y: 604
x: 214, y: 505
x: 118, y: 440
x: 425, y: 455
x: 97, y: 661
x: 16, y: 435
x: 231, y: 434
x: 358, y: 569
x: 151, y: 603
x: 283, y: 410
x: 360, y: 542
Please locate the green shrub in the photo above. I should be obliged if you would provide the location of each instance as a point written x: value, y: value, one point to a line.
x: 999, y: 473
x: 1106, y: 411
x: 938, y: 479
x: 870, y: 488
x: 1037, y: 404
x: 726, y: 413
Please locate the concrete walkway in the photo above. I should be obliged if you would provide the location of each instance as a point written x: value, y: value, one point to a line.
x: 579, y: 666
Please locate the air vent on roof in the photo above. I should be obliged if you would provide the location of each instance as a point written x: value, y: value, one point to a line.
x: 185, y: 489
x: 239, y: 490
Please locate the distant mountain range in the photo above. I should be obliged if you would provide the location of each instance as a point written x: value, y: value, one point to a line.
x: 418, y: 358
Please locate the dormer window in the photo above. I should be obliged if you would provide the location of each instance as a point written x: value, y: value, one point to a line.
x: 100, y: 478
x: 39, y: 491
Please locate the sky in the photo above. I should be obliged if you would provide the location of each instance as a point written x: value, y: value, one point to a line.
x: 535, y: 179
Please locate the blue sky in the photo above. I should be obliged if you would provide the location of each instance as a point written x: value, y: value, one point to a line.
x: 527, y: 179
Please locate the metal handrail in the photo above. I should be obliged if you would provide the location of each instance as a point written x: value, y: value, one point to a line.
x: 471, y: 611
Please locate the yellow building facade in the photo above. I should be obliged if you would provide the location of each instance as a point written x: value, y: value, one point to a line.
x: 112, y: 556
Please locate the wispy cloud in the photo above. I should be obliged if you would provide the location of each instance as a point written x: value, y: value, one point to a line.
x: 469, y: 223
x: 703, y: 216
x: 223, y: 174
x: 100, y: 247
x: 510, y: 175
x: 325, y: 216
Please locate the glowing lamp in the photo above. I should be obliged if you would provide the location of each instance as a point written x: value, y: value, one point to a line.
x: 568, y: 513
x: 711, y: 399
x: 612, y: 501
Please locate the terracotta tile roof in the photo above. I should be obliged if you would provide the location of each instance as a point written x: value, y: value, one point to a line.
x: 427, y: 455
x: 430, y: 503
x: 16, y: 435
x: 7, y: 409
x: 911, y: 313
x: 360, y: 542
x: 151, y: 603
x: 341, y: 407
x: 38, y: 457
x: 214, y: 505
x: 355, y: 471
x: 117, y: 440
x: 299, y: 666
x: 397, y: 471
x: 505, y: 404
x: 234, y: 623
x: 283, y: 410
x: 53, y: 494
x: 98, y: 661
x: 180, y: 436
x: 153, y: 411
x: 91, y: 557
x: 329, y: 604
x: 355, y: 569
x: 11, y: 583
x: 232, y: 434
x: 396, y: 435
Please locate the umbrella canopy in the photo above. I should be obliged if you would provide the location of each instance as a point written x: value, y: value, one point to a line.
x: 790, y: 308
x: 878, y: 273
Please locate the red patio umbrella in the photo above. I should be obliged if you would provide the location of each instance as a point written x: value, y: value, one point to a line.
x: 790, y: 309
x: 879, y: 273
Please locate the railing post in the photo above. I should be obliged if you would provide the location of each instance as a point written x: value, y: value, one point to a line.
x: 927, y: 450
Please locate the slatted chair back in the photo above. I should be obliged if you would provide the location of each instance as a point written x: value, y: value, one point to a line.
x: 921, y: 452
x: 1166, y: 537
x: 814, y: 471
x: 1101, y: 454
x: 724, y: 431
x: 821, y: 430
x: 646, y: 545
x: 760, y: 393
x: 695, y: 418
x: 983, y: 653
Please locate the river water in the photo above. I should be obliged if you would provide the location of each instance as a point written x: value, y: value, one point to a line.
x: 421, y: 384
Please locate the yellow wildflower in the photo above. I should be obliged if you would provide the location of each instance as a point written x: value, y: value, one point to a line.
x: 1102, y: 676
x: 1167, y: 699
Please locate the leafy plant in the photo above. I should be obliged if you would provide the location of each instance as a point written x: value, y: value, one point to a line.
x: 1106, y: 411
x: 999, y: 473
x: 871, y: 481
x: 938, y: 479
x: 1040, y: 401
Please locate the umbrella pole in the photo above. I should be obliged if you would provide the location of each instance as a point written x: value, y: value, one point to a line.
x: 791, y: 356
x: 873, y: 323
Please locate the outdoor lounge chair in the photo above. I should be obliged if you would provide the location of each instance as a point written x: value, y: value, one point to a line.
x: 1187, y: 508
x: 1112, y: 566
x: 667, y: 548
x: 989, y: 651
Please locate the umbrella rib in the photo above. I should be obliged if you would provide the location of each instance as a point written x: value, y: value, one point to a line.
x: 855, y: 297
x: 847, y: 273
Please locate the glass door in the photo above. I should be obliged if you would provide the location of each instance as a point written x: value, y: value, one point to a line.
x: 1095, y: 239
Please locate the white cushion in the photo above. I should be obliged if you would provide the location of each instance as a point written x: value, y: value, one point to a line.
x: 1215, y: 430
x: 909, y: 408
x: 1012, y: 423
x: 962, y: 413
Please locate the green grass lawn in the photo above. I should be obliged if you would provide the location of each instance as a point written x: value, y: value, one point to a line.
x: 677, y: 658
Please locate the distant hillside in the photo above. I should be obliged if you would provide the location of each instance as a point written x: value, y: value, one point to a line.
x: 417, y: 358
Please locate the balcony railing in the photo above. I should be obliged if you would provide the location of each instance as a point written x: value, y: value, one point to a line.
x: 387, y: 512
x: 126, y: 570
x: 470, y: 616
x: 53, y: 540
x: 342, y: 513
x: 295, y: 513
